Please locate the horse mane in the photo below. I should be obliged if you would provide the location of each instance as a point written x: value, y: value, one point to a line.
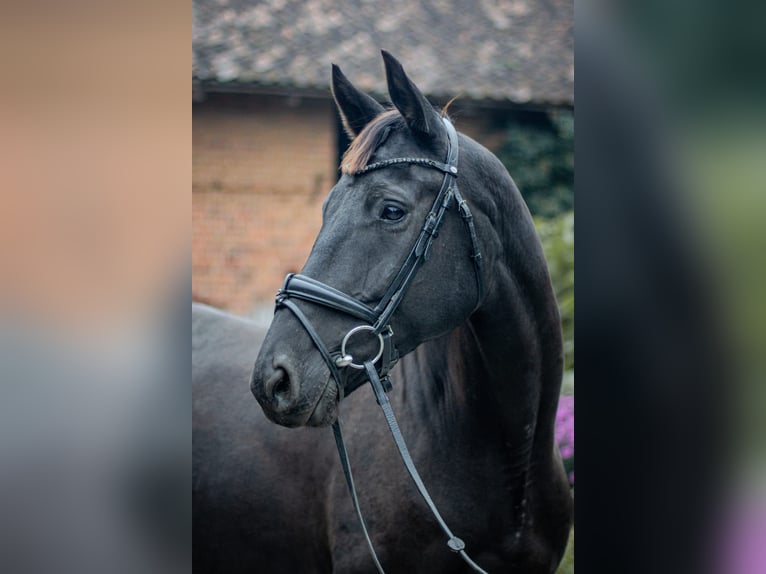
x: 372, y: 137
x: 369, y: 139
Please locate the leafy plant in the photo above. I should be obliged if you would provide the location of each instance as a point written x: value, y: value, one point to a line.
x: 557, y: 236
x: 567, y: 563
x: 539, y: 153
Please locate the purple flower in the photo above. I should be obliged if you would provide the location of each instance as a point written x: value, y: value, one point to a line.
x: 741, y: 547
x: 564, y: 433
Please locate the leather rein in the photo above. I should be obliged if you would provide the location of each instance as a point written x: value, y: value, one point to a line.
x: 377, y: 323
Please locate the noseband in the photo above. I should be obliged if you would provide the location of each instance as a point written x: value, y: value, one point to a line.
x: 377, y: 320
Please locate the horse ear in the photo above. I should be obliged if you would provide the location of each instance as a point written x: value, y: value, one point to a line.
x: 420, y: 115
x: 356, y: 108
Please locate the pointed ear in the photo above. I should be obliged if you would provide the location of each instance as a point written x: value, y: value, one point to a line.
x: 420, y: 115
x: 356, y: 108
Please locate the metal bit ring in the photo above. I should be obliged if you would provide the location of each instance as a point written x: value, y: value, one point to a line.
x: 348, y: 336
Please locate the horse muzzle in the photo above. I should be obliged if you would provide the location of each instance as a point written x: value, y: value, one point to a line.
x: 288, y: 398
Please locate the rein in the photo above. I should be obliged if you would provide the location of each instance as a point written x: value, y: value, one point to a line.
x: 377, y: 323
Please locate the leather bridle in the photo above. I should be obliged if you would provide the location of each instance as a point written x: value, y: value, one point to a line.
x: 377, y: 320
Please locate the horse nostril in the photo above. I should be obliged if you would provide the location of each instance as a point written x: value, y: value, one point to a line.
x: 278, y: 386
x: 282, y: 388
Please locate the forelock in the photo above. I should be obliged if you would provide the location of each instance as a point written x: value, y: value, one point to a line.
x: 373, y: 135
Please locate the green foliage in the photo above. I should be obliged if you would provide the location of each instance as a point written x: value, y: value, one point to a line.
x: 539, y: 153
x: 567, y: 562
x: 557, y: 236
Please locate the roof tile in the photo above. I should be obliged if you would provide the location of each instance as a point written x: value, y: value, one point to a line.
x: 513, y: 50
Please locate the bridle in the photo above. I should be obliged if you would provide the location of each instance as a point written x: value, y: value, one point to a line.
x: 377, y: 321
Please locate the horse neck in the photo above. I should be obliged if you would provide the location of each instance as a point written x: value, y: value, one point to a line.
x: 501, y: 369
x: 519, y: 332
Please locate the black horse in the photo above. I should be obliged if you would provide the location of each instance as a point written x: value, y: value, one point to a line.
x: 476, y: 388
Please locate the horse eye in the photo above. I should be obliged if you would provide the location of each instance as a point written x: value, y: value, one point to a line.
x: 392, y: 213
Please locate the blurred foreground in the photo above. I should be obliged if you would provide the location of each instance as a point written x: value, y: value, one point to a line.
x: 95, y: 408
x: 671, y: 319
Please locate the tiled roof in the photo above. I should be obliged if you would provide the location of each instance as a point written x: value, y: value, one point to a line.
x: 510, y: 50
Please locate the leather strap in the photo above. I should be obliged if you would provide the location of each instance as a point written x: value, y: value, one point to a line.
x: 336, y: 376
x: 453, y: 542
x: 467, y: 216
x: 449, y: 167
x: 343, y: 454
x: 308, y: 289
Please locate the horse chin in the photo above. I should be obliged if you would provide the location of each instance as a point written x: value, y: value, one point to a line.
x: 325, y: 411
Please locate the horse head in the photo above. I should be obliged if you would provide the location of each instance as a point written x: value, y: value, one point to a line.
x: 378, y: 234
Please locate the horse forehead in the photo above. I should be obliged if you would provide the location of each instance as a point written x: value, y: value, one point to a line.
x: 352, y: 189
x: 398, y: 144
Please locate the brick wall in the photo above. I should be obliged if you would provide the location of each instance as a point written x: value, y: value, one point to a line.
x: 262, y: 165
